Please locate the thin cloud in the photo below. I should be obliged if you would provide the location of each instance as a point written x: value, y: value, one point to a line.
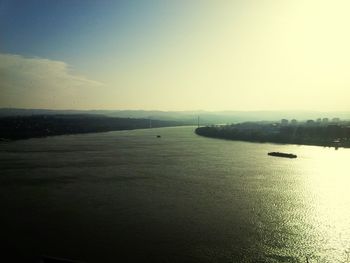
x: 38, y: 82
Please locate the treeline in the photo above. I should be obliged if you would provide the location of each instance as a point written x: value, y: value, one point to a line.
x: 331, y: 135
x: 23, y: 127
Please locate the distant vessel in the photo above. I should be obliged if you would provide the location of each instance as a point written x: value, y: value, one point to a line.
x: 279, y: 154
x: 158, y: 136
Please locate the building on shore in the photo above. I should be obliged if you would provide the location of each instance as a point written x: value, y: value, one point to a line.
x: 293, y: 122
x: 284, y: 122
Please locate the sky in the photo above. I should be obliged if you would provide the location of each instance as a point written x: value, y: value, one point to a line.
x: 175, y: 55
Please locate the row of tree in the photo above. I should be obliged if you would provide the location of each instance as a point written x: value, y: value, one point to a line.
x: 331, y: 135
x: 22, y: 127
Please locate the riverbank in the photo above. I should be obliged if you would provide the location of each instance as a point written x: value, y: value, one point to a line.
x: 25, y: 127
x: 327, y: 135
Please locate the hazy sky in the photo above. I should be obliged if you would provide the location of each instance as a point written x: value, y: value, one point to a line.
x: 175, y: 55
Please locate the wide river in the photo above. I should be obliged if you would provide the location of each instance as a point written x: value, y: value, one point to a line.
x: 128, y: 196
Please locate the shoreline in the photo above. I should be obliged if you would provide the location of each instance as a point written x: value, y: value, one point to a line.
x: 303, y: 143
x: 27, y: 127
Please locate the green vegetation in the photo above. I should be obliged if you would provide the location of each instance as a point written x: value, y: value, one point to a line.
x: 23, y: 127
x: 322, y: 133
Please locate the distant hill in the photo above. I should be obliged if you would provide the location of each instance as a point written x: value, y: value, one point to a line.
x: 188, y: 117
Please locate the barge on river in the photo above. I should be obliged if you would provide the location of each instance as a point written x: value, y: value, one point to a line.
x: 285, y: 155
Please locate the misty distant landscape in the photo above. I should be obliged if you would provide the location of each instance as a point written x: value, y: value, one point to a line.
x: 27, y: 123
x: 188, y: 117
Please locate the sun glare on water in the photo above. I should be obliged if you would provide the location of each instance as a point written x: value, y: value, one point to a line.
x: 327, y: 197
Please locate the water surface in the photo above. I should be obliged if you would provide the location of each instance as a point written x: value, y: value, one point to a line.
x: 133, y: 197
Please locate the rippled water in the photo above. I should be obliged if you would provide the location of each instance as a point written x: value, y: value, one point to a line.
x: 131, y: 197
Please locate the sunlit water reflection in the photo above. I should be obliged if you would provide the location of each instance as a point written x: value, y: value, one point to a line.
x: 131, y: 196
